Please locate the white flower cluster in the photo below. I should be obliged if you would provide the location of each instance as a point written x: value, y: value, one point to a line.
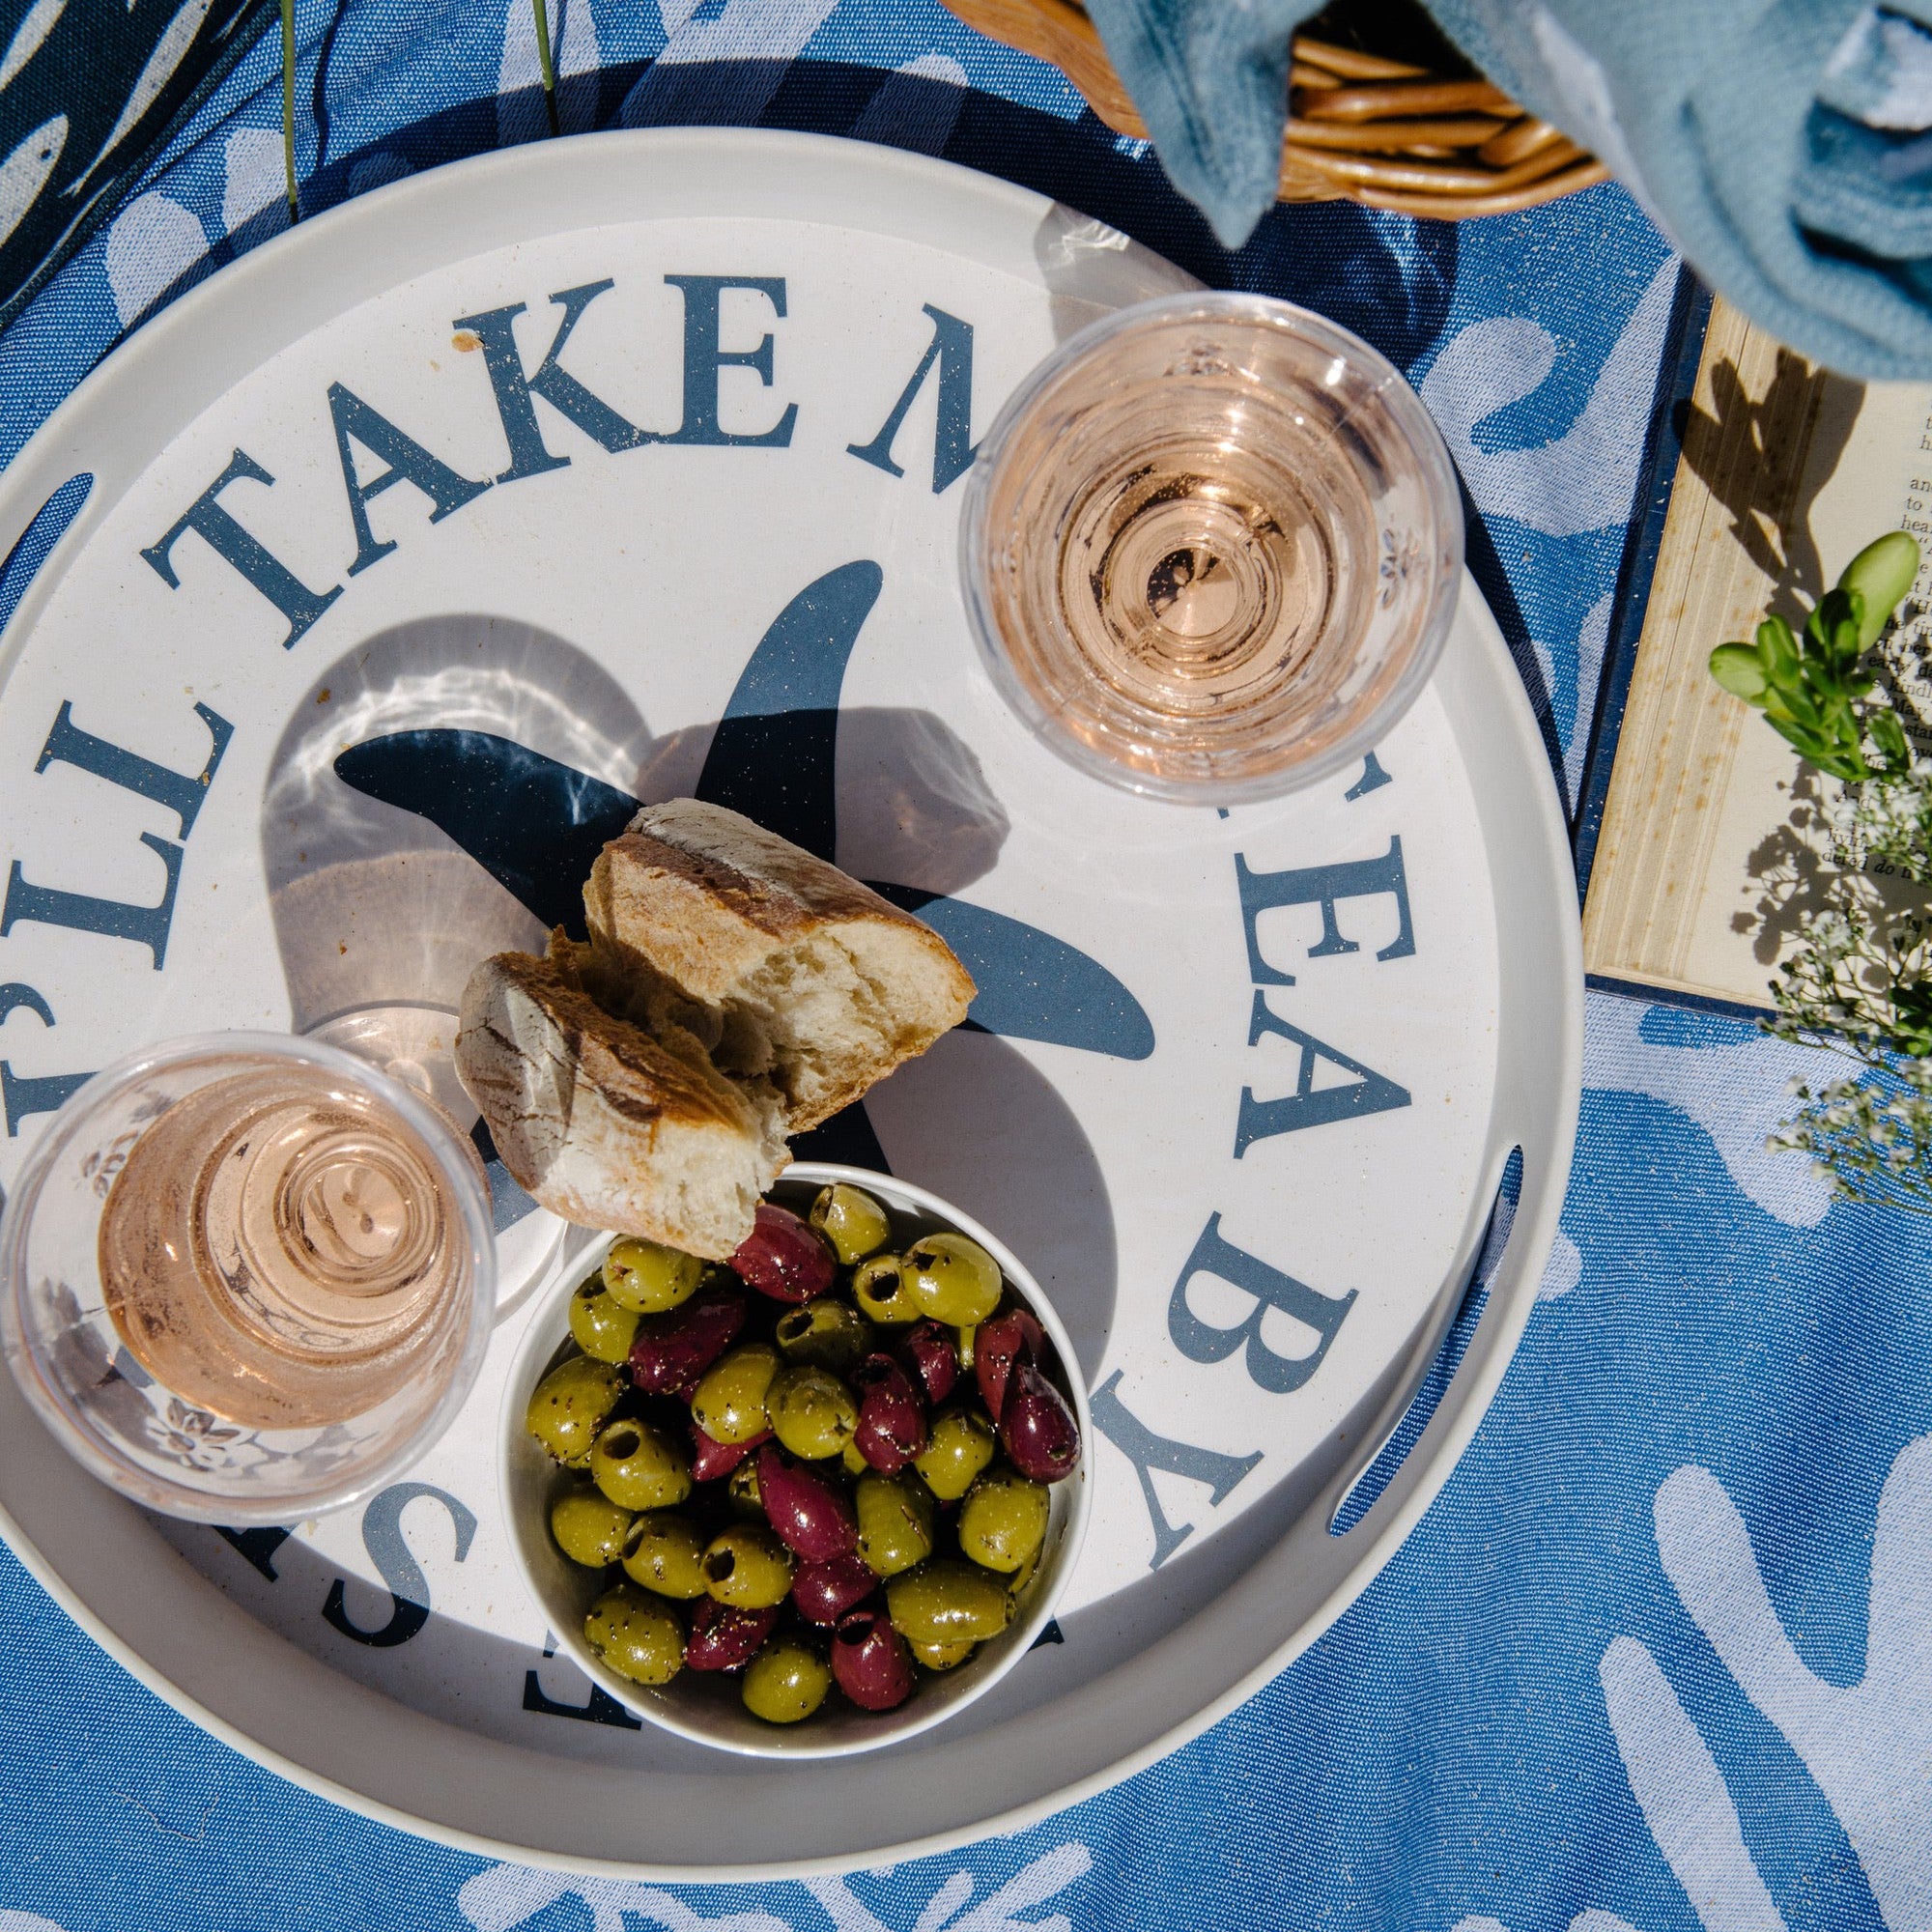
x: 1840, y: 978
x: 1886, y: 822
x: 1858, y: 983
x: 1870, y: 1134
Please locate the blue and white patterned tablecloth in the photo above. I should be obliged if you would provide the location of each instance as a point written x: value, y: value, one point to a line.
x: 1661, y: 1656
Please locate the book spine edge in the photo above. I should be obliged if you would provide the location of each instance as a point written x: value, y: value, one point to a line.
x: 1684, y: 344
x: 1655, y: 994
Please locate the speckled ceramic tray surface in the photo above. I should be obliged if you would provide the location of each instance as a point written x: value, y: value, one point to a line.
x: 424, y: 541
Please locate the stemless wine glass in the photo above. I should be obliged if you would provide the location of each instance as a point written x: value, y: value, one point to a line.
x: 1210, y: 548
x: 248, y: 1277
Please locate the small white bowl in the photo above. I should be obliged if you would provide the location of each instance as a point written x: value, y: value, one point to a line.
x: 706, y: 1705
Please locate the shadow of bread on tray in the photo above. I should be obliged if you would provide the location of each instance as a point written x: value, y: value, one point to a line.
x: 735, y: 989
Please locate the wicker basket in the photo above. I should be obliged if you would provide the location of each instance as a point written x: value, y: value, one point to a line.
x: 1386, y: 133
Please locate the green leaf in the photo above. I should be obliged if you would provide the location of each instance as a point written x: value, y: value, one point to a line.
x: 1802, y: 736
x: 1740, y: 670
x: 1779, y: 649
x: 1912, y: 1016
x: 1819, y: 619
x: 1883, y: 572
x: 1815, y: 749
x: 1831, y: 630
x: 1888, y: 735
x: 1796, y: 703
x: 1812, y: 689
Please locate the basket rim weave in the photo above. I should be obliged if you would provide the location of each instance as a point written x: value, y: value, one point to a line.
x: 1383, y: 133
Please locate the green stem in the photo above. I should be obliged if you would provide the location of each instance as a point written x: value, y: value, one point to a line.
x: 288, y: 107
x: 543, y: 61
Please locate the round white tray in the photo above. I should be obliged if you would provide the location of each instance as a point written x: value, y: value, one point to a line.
x: 1243, y: 1090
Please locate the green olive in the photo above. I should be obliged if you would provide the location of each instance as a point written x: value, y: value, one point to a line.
x: 588, y: 1526
x: 959, y: 1447
x: 851, y: 1220
x: 894, y: 1522
x: 1003, y: 1520
x: 785, y: 1682
x: 1023, y: 1575
x: 666, y: 1554
x: 881, y: 1293
x: 728, y: 1403
x: 813, y: 1412
x: 948, y: 1602
x: 747, y: 1566
x: 943, y: 1656
x: 571, y: 1405
x: 825, y: 1334
x: 854, y: 1460
x: 741, y: 1487
x: 639, y: 1467
x: 952, y: 1279
x: 648, y: 1277
x: 638, y: 1636
x: 598, y: 1325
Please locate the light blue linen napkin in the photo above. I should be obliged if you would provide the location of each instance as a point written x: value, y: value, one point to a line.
x: 1210, y: 80
x: 1784, y: 144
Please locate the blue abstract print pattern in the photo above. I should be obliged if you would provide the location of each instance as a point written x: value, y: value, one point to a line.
x: 1658, y: 1659
x: 88, y: 96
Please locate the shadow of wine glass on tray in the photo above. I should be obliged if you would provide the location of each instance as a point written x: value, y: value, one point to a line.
x: 452, y: 791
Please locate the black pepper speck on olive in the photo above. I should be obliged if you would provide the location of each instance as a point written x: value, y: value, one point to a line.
x: 570, y: 1405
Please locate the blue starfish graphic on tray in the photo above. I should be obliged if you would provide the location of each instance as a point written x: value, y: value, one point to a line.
x: 535, y: 825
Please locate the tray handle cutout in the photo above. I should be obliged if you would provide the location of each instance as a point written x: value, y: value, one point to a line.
x: 50, y: 524
x: 1438, y: 1367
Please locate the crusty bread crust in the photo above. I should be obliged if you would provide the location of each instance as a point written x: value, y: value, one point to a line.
x: 735, y: 920
x: 735, y: 989
x: 602, y: 1125
x: 707, y: 897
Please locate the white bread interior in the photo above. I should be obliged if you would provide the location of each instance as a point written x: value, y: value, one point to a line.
x: 787, y: 969
x: 606, y: 1125
x: 735, y: 990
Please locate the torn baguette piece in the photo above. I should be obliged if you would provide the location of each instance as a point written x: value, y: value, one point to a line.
x: 602, y: 1123
x: 735, y: 989
x: 788, y: 970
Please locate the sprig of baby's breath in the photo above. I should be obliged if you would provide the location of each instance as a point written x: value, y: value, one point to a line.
x: 1858, y: 981
x: 1869, y: 1135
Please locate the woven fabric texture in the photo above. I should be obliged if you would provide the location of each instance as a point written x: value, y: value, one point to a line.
x: 1661, y: 1656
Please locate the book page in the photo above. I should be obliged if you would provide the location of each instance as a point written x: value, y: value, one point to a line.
x: 1711, y: 852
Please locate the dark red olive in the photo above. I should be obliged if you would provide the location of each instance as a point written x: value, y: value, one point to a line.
x: 825, y: 1591
x: 870, y: 1661
x: 711, y: 1458
x: 724, y: 1638
x: 1037, y: 1429
x: 673, y: 1349
x: 785, y: 1257
x: 997, y: 1345
x: 933, y: 1359
x: 891, y: 1418
x: 812, y: 1516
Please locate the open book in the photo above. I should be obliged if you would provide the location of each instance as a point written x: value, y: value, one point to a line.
x: 1711, y: 847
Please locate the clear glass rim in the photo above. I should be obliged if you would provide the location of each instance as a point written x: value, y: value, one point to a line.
x: 49, y: 1401
x: 1440, y: 489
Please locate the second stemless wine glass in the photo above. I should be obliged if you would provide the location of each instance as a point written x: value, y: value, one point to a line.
x: 248, y: 1277
x: 1210, y: 548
